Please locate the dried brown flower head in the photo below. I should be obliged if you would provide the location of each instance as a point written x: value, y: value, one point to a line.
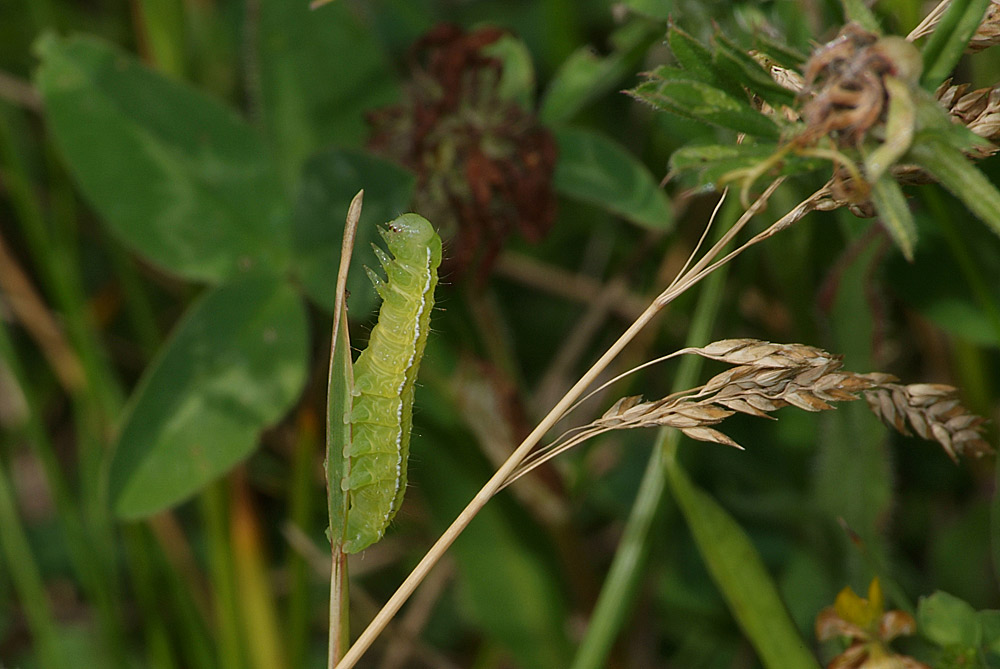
x: 848, y: 83
x: 846, y: 79
x: 484, y: 164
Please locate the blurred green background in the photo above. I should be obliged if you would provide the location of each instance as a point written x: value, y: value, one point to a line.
x: 174, y: 178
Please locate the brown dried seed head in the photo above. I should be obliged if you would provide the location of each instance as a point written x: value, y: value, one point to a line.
x: 979, y: 111
x: 988, y: 33
x: 767, y: 377
x: 762, y: 353
x: 934, y: 412
x: 710, y: 435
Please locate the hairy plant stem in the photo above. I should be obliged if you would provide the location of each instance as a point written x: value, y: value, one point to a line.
x: 702, y: 268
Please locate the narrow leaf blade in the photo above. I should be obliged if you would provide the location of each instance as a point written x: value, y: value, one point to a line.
x: 740, y: 574
x: 956, y: 173
x: 734, y: 63
x: 339, y: 403
x: 696, y: 59
x: 949, y: 40
x: 895, y: 214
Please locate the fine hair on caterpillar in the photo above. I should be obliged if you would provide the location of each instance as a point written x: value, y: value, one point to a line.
x: 384, y: 379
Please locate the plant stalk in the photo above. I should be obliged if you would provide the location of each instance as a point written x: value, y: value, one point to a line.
x: 691, y: 277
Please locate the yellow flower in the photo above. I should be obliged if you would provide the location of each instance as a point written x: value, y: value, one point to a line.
x: 869, y: 628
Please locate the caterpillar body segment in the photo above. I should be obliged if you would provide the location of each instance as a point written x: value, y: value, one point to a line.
x: 384, y: 378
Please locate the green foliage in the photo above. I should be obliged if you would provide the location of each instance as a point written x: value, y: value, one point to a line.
x: 738, y: 570
x: 319, y: 71
x: 715, y: 85
x: 178, y: 177
x: 232, y: 367
x: 966, y: 637
x: 330, y: 178
x: 946, y: 45
x: 703, y: 102
x: 595, y: 169
x: 174, y: 185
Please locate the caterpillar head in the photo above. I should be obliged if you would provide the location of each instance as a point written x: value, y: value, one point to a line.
x: 409, y: 236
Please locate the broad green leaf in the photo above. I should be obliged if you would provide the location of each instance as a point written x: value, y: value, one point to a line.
x: 329, y: 181
x: 232, y: 367
x: 657, y: 9
x: 320, y: 70
x: 585, y: 76
x: 517, y: 83
x: 894, y: 212
x: 948, y: 621
x: 989, y: 623
x: 950, y: 38
x: 505, y: 580
x: 701, y: 102
x: 739, y: 572
x: 957, y: 173
x: 594, y: 168
x: 178, y: 177
x: 733, y: 62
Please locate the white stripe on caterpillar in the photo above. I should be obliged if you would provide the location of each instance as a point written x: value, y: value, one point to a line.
x: 384, y: 376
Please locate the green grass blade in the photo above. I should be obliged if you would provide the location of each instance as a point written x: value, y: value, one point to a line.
x: 947, y: 44
x: 740, y: 574
x: 956, y: 173
x: 24, y: 573
x: 214, y: 513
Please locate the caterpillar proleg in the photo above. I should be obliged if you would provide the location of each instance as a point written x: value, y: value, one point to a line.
x: 384, y: 375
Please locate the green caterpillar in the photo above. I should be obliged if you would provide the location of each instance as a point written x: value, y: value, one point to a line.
x: 384, y: 375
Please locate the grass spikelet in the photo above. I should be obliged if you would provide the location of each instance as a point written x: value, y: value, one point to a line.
x: 932, y: 411
x: 766, y: 377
